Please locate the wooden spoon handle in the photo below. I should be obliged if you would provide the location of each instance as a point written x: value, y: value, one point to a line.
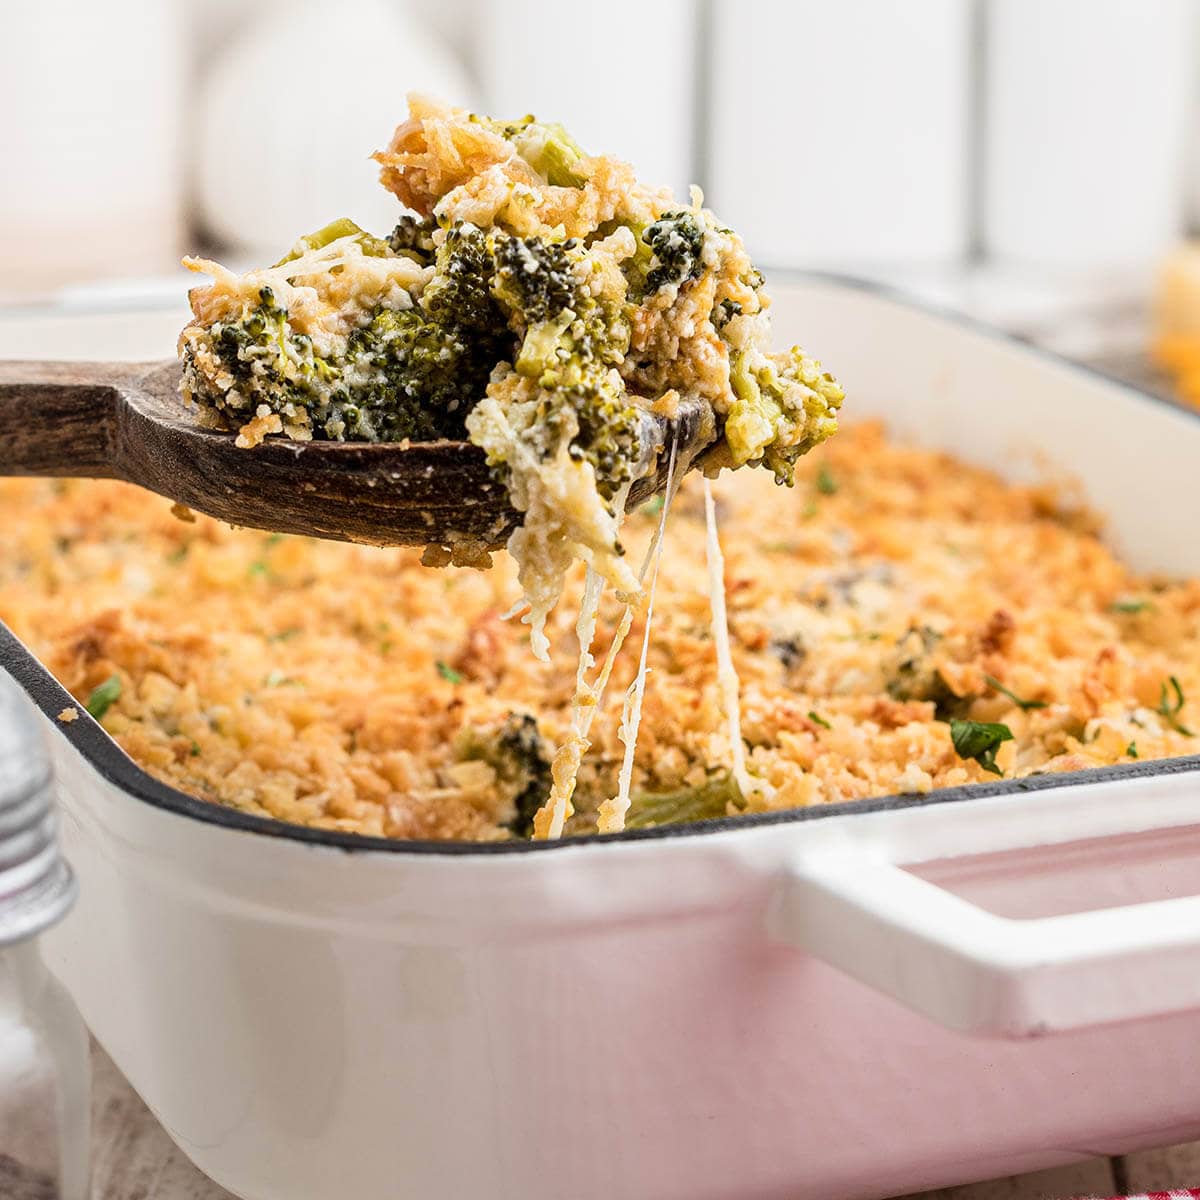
x: 57, y: 418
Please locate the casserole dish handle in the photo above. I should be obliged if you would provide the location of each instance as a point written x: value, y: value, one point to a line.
x: 977, y: 972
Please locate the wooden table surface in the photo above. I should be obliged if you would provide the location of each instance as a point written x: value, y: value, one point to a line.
x: 134, y: 1159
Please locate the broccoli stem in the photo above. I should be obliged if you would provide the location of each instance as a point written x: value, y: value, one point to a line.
x: 342, y: 227
x: 712, y: 798
x: 551, y: 151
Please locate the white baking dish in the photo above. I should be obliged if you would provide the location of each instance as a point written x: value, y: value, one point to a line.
x: 851, y: 1001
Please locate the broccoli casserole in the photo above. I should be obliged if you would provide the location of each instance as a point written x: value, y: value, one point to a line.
x: 899, y: 622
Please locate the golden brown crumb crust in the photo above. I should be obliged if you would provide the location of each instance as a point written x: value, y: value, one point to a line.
x: 338, y: 685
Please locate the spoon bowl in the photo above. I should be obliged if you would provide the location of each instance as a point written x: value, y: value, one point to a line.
x: 127, y: 421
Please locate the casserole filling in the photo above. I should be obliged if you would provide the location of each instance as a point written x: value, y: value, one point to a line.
x: 891, y: 618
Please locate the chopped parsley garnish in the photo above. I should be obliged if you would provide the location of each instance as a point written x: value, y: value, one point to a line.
x: 1128, y: 606
x: 819, y: 720
x: 447, y: 672
x: 980, y: 740
x: 104, y: 696
x: 1170, y: 709
x: 258, y: 568
x: 195, y: 749
x: 826, y: 484
x: 653, y: 506
x: 1023, y: 705
x: 1131, y: 750
x: 179, y: 554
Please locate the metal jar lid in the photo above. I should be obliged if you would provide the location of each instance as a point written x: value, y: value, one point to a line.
x: 36, y: 885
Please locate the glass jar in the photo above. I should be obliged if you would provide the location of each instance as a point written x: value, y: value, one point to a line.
x: 44, y: 1071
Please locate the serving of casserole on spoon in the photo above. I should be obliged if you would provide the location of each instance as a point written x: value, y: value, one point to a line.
x: 511, y: 363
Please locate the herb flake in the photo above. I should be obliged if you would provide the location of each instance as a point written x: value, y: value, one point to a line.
x: 104, y: 696
x: 826, y: 484
x: 817, y: 719
x: 1023, y: 705
x: 1131, y: 750
x: 1170, y: 709
x: 980, y: 740
x: 1127, y: 606
x: 447, y: 672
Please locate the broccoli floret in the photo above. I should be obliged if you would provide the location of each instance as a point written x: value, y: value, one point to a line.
x: 570, y: 342
x: 821, y: 395
x: 414, y: 236
x: 459, y: 296
x: 713, y: 798
x: 766, y: 398
x: 411, y: 373
x: 911, y: 673
x: 610, y: 437
x: 535, y: 279
x: 418, y: 372
x: 268, y: 361
x: 412, y: 378
x: 571, y: 338
x: 529, y: 758
x: 521, y: 758
x: 677, y: 242
x: 723, y: 313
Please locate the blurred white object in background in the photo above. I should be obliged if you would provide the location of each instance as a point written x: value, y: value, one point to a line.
x: 90, y: 141
x: 292, y: 109
x: 1088, y: 109
x: 839, y: 131
x: 619, y: 75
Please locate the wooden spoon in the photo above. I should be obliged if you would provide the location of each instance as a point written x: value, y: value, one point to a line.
x: 127, y: 421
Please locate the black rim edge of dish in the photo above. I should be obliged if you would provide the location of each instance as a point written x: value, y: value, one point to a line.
x: 88, y: 737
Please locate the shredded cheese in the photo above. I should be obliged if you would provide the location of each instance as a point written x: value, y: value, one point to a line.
x: 727, y: 679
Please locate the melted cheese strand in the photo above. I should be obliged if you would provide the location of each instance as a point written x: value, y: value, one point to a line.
x: 549, y: 820
x: 727, y: 679
x: 627, y: 614
x: 612, y: 812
